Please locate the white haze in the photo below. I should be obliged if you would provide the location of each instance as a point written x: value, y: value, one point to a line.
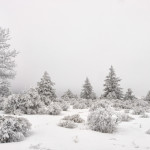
x: 72, y: 39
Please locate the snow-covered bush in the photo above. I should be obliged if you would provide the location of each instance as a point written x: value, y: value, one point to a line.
x: 75, y: 118
x: 140, y: 103
x: 125, y: 118
x: 79, y: 105
x: 121, y: 104
x: 26, y: 103
x: 144, y: 116
x: 87, y: 102
x: 102, y: 120
x: 33, y: 103
x: 13, y: 129
x: 100, y: 104
x: 138, y: 111
x: 67, y: 124
x: 13, y: 104
x: 129, y: 104
x: 64, y: 105
x: 54, y: 109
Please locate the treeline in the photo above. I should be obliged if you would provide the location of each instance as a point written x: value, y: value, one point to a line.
x: 112, y: 88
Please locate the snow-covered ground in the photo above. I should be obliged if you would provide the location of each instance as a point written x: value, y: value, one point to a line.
x: 47, y: 135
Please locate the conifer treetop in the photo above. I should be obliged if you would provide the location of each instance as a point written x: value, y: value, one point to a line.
x: 129, y: 95
x: 112, y: 88
x: 45, y: 87
x: 87, y: 91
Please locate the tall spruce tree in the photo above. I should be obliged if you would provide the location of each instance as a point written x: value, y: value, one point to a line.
x: 87, y: 91
x: 112, y: 88
x: 129, y: 95
x: 147, y: 98
x: 45, y: 89
x: 7, y: 62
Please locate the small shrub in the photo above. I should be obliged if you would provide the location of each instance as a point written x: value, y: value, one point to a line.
x: 126, y: 118
x: 78, y: 105
x: 13, y: 129
x: 144, y: 116
x: 102, y: 120
x: 43, y: 110
x: 67, y: 124
x: 64, y: 105
x: 26, y: 103
x: 54, y: 109
x: 12, y: 103
x: 75, y: 118
x: 138, y: 111
x: 100, y: 104
x: 141, y: 103
x: 122, y: 104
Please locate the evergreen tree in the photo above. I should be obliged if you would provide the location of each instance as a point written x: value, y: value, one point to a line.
x: 112, y: 88
x: 4, y: 88
x: 45, y: 89
x: 68, y: 94
x: 147, y: 98
x: 87, y: 91
x: 7, y: 62
x: 129, y: 95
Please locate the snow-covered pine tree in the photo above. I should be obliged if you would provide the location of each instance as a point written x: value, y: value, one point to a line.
x: 68, y: 94
x: 112, y: 88
x: 7, y: 62
x: 4, y: 88
x: 147, y: 98
x: 87, y: 91
x: 129, y: 95
x: 45, y: 89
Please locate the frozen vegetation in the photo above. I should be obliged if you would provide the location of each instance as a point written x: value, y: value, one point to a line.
x: 37, y: 119
x: 79, y: 128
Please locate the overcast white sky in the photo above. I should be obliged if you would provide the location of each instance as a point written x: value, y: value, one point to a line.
x: 72, y: 39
